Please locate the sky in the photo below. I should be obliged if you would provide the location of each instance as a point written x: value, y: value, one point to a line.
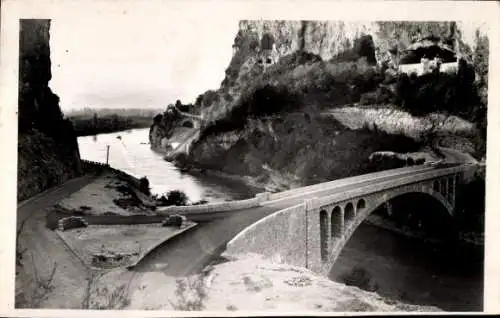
x: 127, y: 61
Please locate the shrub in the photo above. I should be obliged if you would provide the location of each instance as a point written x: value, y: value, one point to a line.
x: 144, y: 186
x: 174, y: 197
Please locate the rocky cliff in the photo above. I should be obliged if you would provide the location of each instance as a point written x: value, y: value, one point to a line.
x: 328, y: 40
x: 47, y: 146
x: 284, y: 73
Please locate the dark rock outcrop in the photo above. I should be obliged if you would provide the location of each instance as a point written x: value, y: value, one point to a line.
x: 48, y: 151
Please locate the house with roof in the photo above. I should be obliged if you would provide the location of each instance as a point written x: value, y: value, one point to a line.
x: 428, y: 55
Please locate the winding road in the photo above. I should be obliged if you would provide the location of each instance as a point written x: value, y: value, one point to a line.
x: 44, y: 250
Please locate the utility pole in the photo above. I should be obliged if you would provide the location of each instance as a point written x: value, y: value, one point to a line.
x: 107, y: 154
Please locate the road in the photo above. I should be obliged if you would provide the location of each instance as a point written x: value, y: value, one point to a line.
x: 190, y: 252
x: 44, y: 251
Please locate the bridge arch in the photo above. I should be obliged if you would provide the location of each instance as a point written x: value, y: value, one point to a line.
x: 349, y: 213
x: 187, y: 123
x: 323, y: 223
x: 318, y: 229
x: 372, y: 204
x: 337, y: 222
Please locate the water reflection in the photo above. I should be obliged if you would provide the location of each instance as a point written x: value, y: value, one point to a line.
x: 132, y: 154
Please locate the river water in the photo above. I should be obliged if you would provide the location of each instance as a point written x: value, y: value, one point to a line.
x: 129, y: 151
x: 398, y: 267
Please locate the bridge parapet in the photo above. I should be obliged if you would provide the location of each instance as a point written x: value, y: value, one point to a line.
x: 215, y: 207
x: 346, y: 181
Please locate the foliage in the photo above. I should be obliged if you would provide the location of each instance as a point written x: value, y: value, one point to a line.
x: 174, y: 197
x: 191, y: 293
x: 86, y: 125
x: 453, y: 93
x: 296, y: 80
x: 144, y: 185
x: 42, y: 163
x: 312, y: 148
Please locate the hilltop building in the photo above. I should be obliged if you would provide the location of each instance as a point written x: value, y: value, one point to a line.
x: 428, y: 55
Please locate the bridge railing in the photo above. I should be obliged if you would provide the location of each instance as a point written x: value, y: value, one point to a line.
x: 345, y: 181
x: 215, y: 207
x: 92, y: 166
x: 384, y: 185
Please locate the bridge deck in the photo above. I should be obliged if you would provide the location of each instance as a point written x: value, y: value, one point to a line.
x: 189, y: 253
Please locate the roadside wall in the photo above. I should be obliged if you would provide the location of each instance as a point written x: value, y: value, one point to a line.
x: 98, y: 167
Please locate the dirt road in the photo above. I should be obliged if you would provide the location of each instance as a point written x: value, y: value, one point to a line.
x: 44, y: 251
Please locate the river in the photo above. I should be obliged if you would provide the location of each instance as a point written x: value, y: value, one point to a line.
x: 400, y: 267
x: 132, y: 154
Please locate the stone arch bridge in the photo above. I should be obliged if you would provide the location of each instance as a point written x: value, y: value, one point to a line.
x: 185, y: 119
x: 313, y: 233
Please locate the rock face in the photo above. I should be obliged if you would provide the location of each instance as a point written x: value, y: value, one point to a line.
x: 276, y: 64
x: 327, y: 39
x: 47, y: 147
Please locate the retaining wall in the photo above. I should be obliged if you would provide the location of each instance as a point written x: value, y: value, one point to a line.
x: 280, y: 237
x: 93, y: 166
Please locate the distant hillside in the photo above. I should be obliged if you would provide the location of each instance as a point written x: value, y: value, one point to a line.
x: 105, y: 120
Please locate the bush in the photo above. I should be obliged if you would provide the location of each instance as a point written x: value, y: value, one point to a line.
x: 144, y: 186
x: 174, y: 197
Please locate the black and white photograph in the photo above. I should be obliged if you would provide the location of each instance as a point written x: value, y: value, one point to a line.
x: 178, y: 158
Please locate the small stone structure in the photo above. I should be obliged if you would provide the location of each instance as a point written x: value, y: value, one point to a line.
x: 174, y: 220
x: 71, y: 222
x: 428, y: 55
